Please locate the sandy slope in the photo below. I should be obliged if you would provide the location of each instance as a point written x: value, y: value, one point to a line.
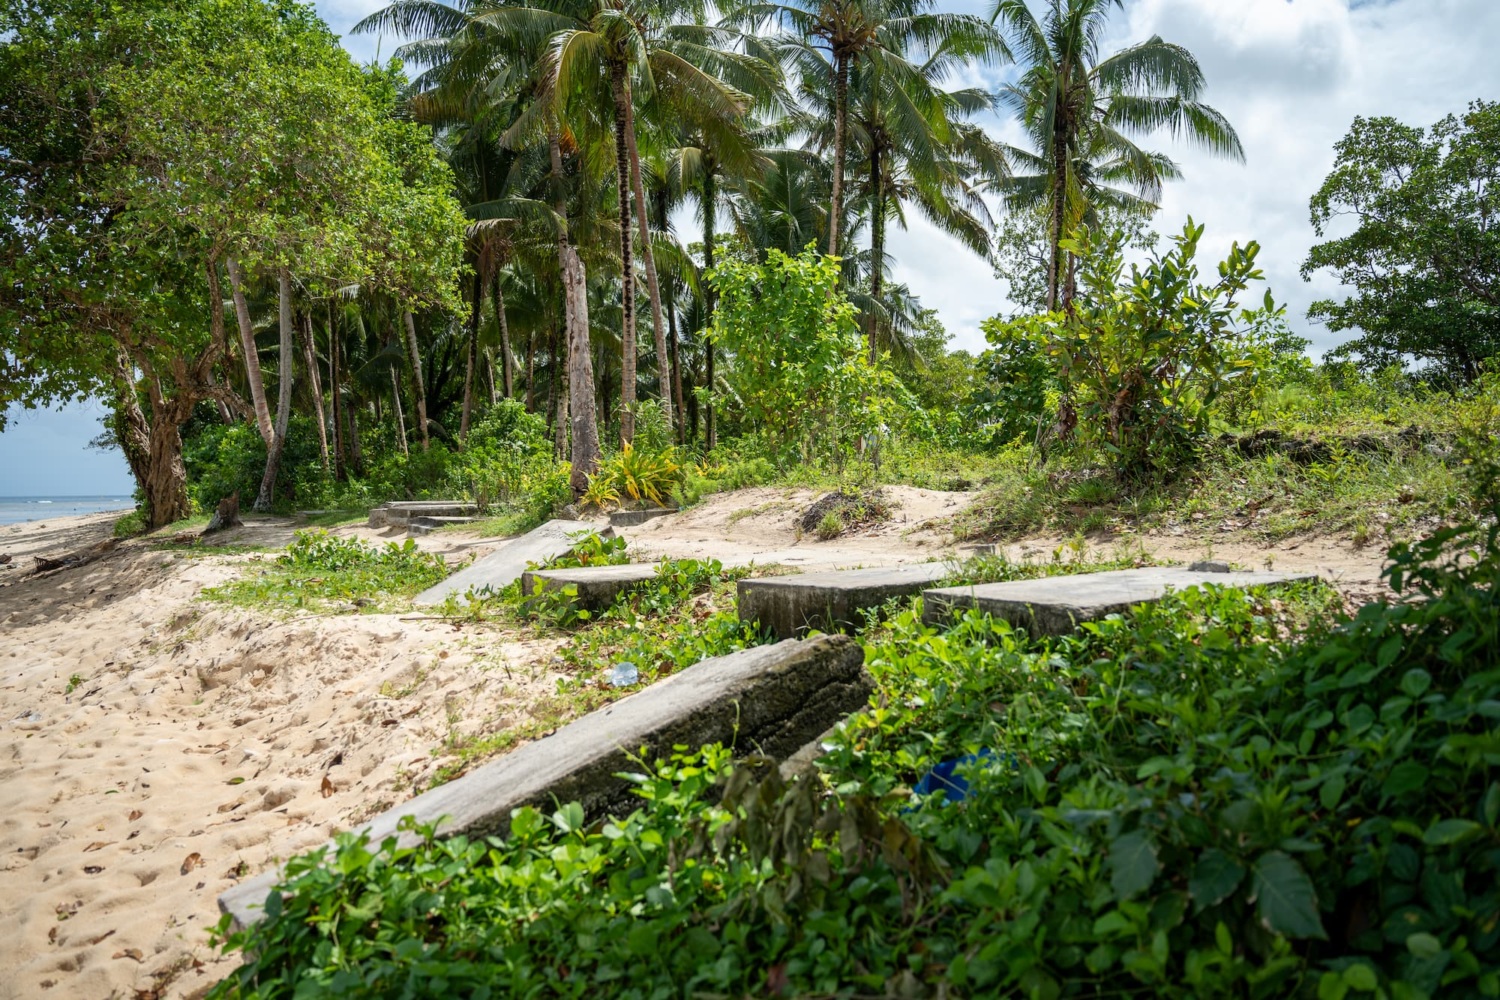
x: 759, y: 525
x: 194, y: 749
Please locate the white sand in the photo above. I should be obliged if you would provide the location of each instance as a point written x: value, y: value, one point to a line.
x: 195, y: 747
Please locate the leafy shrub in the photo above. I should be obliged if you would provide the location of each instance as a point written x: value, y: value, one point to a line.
x: 796, y: 365
x: 1141, y: 360
x: 643, y: 476
x: 318, y: 569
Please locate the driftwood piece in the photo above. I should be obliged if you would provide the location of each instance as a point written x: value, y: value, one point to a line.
x: 75, y: 559
x: 226, y: 516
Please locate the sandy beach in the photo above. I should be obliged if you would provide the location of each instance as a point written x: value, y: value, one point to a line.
x: 156, y: 748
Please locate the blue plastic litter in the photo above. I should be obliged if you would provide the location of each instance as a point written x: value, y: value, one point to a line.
x: 944, y: 777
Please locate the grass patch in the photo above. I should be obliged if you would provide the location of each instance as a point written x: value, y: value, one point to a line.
x: 329, y: 575
x: 1384, y: 496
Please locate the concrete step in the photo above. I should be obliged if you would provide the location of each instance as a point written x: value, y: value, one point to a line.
x: 789, y: 606
x: 505, y: 565
x: 1056, y: 605
x: 399, y: 513
x: 598, y: 586
x: 770, y: 700
x: 631, y: 518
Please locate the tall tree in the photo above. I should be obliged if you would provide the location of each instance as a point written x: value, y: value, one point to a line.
x: 1080, y: 108
x: 1424, y: 258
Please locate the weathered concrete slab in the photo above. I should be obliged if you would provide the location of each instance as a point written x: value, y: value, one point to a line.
x: 789, y: 606
x: 771, y: 700
x: 598, y: 586
x: 399, y: 513
x: 630, y: 518
x: 1055, y: 605
x: 504, y: 566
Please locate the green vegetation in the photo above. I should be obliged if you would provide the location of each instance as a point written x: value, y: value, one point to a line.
x: 1182, y: 802
x: 322, y: 573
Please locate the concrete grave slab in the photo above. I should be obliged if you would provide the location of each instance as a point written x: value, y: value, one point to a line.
x: 399, y: 513
x: 598, y: 586
x: 770, y: 699
x: 1055, y: 605
x: 504, y: 566
x: 631, y: 518
x: 789, y: 606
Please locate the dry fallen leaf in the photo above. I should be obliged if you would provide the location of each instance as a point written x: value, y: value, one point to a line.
x: 96, y: 845
x: 328, y: 788
x: 193, y: 861
x: 134, y: 953
x: 135, y: 814
x: 101, y: 937
x: 52, y: 935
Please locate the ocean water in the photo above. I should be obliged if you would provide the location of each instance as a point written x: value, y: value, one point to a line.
x: 14, y: 510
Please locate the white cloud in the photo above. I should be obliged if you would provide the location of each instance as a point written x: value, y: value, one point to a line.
x: 1291, y: 77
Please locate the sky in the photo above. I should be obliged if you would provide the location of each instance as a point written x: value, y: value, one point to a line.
x: 1290, y: 75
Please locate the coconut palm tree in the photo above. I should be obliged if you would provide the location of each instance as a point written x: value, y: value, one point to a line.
x: 829, y: 38
x: 1080, y: 110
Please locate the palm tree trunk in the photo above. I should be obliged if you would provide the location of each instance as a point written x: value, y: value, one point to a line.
x: 267, y: 493
x: 419, y: 388
x: 877, y: 245
x: 710, y: 211
x: 507, y: 360
x: 531, y: 371
x: 400, y: 417
x: 340, y: 439
x: 1059, y: 207
x: 585, y: 457
x: 317, y: 387
x: 676, y: 362
x: 840, y: 117
x: 620, y: 85
x: 472, y: 360
x: 663, y: 374
x: 252, y: 356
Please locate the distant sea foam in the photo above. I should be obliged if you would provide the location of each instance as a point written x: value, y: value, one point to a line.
x: 14, y: 510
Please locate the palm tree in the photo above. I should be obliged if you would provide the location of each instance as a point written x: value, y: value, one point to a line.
x: 827, y: 38
x: 914, y: 146
x: 1080, y: 110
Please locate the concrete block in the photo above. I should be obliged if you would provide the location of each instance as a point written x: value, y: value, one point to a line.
x: 789, y: 606
x: 505, y: 565
x: 399, y: 513
x: 631, y: 518
x: 770, y: 699
x: 1055, y: 605
x: 598, y: 586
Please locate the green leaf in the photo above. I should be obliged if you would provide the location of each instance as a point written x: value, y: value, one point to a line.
x: 1424, y: 945
x: 1133, y: 864
x: 1389, y: 650
x: 1332, y: 792
x: 1408, y: 776
x: 1415, y: 682
x: 1450, y: 831
x: 1361, y: 977
x: 1285, y: 898
x: 1214, y: 879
